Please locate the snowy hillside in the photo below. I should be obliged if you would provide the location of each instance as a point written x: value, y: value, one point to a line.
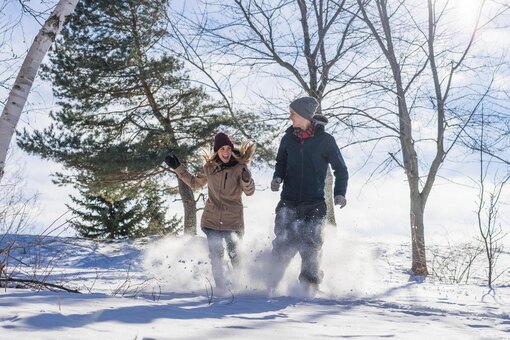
x: 158, y: 289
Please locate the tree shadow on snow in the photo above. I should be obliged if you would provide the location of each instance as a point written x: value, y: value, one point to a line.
x: 171, y: 306
x: 184, y: 306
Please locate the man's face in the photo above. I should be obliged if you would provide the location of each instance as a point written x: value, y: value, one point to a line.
x: 225, y: 152
x: 298, y: 121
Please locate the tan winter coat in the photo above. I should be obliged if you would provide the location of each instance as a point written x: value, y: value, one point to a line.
x: 224, y: 207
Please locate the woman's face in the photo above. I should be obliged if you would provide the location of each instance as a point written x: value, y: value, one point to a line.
x: 225, y: 152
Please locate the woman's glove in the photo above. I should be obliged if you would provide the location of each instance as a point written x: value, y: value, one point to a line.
x: 172, y: 161
x: 246, y: 175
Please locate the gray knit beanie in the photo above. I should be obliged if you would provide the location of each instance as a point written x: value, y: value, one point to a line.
x: 305, y: 107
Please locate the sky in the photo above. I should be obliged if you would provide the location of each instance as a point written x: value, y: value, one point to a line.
x: 377, y: 208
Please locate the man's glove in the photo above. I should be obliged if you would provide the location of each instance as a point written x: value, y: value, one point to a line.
x: 275, y: 184
x: 246, y: 175
x: 340, y: 200
x: 172, y: 161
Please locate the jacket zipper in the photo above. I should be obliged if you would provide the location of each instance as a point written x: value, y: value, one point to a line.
x: 302, y: 166
x: 221, y: 194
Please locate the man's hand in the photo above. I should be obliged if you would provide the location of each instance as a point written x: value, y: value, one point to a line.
x: 246, y: 175
x: 172, y: 161
x: 275, y: 184
x: 340, y: 200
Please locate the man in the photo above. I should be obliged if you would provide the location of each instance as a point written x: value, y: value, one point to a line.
x: 304, y: 155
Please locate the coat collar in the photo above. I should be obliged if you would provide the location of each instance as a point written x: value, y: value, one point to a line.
x: 319, y: 129
x: 220, y: 166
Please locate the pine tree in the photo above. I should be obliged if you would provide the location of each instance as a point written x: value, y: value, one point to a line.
x: 121, y: 212
x: 104, y: 216
x: 155, y: 221
x: 124, y: 102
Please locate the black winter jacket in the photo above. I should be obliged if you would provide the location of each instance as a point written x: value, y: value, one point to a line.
x: 303, y: 166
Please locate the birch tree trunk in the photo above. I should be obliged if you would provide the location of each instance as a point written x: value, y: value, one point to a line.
x: 21, y: 87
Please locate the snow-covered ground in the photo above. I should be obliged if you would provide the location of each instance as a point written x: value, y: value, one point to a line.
x: 159, y: 289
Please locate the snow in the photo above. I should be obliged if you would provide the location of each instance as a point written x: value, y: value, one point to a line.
x: 158, y: 288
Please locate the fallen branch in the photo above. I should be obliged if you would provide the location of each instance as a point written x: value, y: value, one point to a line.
x: 39, y: 284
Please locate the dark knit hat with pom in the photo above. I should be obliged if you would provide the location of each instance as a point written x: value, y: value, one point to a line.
x: 221, y: 139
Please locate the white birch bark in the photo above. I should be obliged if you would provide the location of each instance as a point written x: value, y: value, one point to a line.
x: 21, y: 87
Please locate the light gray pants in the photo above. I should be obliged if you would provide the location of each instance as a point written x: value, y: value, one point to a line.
x: 216, y: 240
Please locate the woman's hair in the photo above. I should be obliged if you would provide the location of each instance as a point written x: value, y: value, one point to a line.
x: 244, y: 154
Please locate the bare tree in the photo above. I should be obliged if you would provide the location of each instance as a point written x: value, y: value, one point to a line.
x: 487, y: 211
x: 4, y: 57
x: 423, y: 62
x: 310, y: 46
x: 491, y: 232
x: 453, y: 263
x: 21, y: 261
x: 23, y: 83
x: 8, y: 56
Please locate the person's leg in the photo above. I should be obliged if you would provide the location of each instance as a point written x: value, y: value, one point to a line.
x: 216, y: 250
x: 232, y: 239
x: 284, y: 247
x: 310, y: 245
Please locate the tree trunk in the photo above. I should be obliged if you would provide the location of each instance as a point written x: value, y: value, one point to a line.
x: 190, y: 208
x: 419, y: 260
x: 417, y: 204
x: 330, y: 214
x: 21, y: 87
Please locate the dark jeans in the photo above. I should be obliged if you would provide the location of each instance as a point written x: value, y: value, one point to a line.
x: 299, y: 228
x: 215, y: 240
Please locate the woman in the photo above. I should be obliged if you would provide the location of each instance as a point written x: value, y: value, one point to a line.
x: 227, y: 176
